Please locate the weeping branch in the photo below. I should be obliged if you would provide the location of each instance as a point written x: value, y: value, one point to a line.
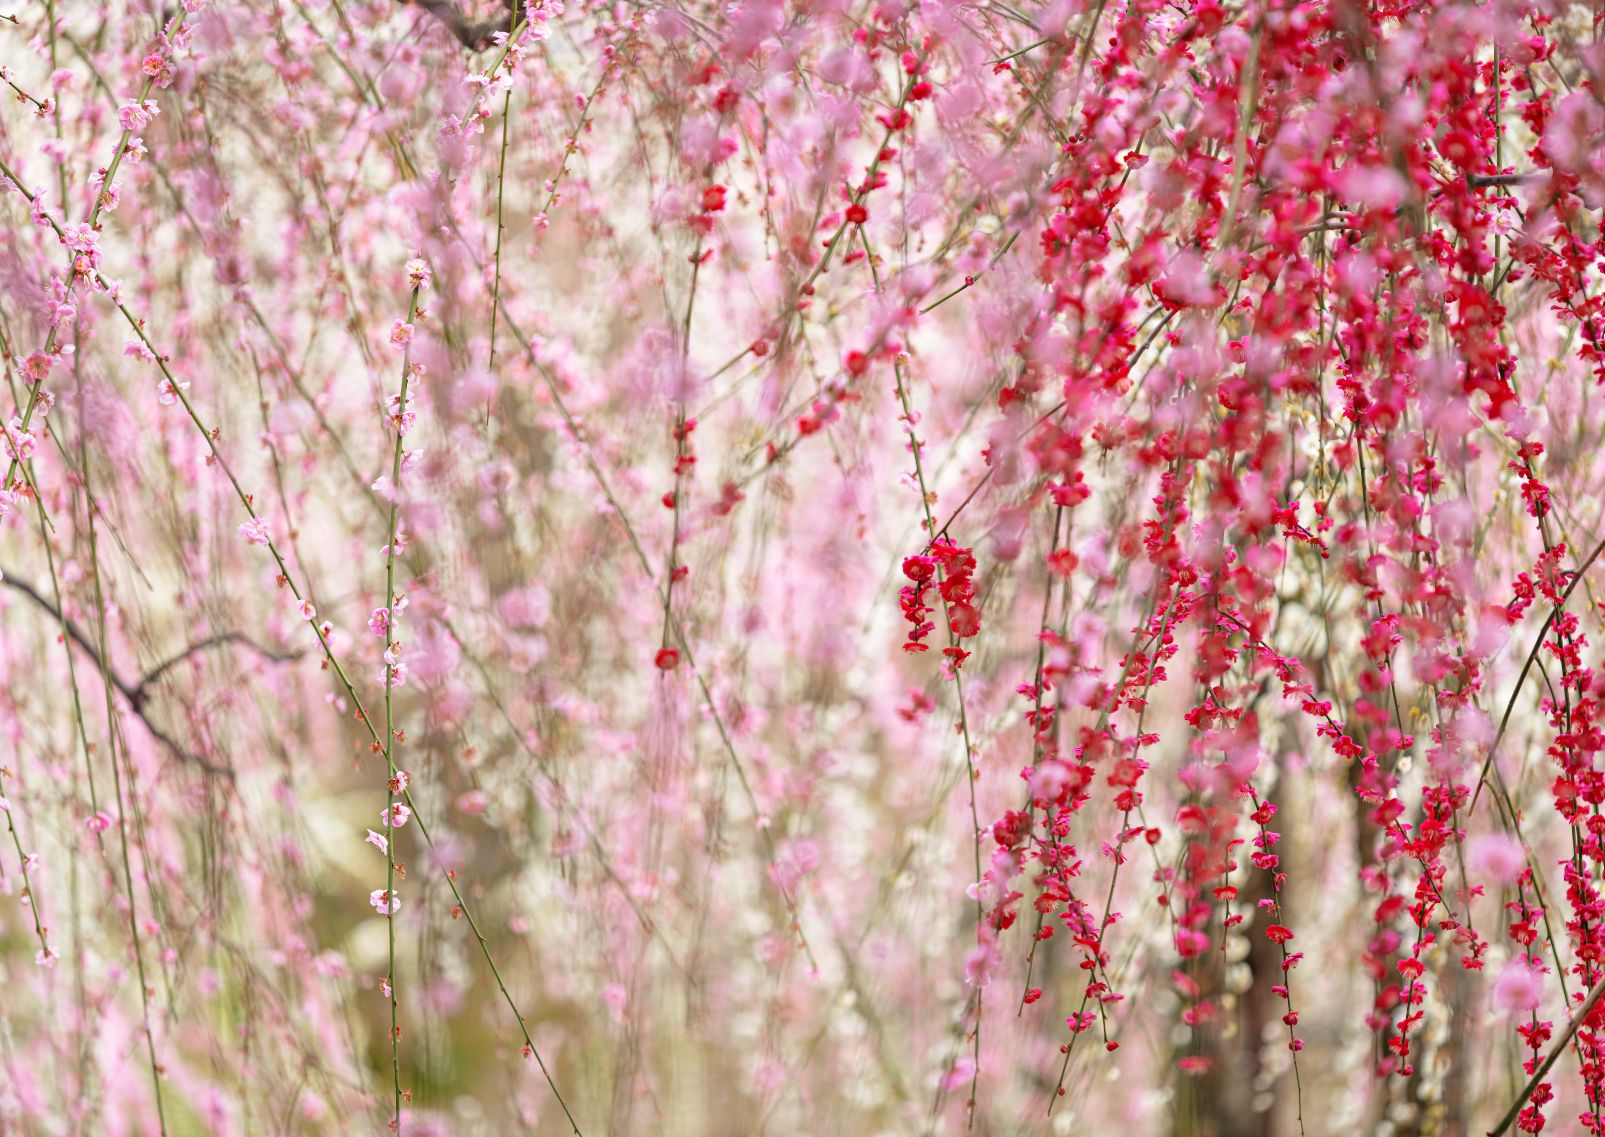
x: 473, y: 36
x: 138, y: 693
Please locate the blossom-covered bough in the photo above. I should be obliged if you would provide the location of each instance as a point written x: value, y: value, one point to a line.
x: 816, y: 566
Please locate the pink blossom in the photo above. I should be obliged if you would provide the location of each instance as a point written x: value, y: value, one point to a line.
x: 167, y: 392
x: 134, y: 117
x: 1519, y: 989
x: 38, y: 366
x: 20, y: 443
x: 1498, y: 857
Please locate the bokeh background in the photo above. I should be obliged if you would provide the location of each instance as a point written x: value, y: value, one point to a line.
x: 725, y: 890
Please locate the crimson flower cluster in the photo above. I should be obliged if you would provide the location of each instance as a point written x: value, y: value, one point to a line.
x: 950, y: 569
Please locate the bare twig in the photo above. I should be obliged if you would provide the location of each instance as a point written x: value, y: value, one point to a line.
x: 1478, y: 181
x: 138, y: 693
x: 475, y: 37
x: 141, y: 690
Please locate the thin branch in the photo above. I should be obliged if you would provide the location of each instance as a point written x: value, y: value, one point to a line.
x: 1521, y: 680
x: 138, y: 693
x: 1554, y: 1053
x: 1479, y: 181
x: 475, y: 37
x: 141, y: 690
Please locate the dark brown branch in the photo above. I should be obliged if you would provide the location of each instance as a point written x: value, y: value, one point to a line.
x: 475, y: 37
x: 1478, y: 181
x: 141, y: 690
x: 137, y: 694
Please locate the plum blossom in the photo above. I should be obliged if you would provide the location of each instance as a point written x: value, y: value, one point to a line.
x: 1519, y: 989
x: 167, y: 391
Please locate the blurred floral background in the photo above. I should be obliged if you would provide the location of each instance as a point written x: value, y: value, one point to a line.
x: 801, y: 567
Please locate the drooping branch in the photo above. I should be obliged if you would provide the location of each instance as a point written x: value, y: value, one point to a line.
x: 473, y: 36
x: 137, y: 694
x: 141, y: 690
x: 1532, y: 656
